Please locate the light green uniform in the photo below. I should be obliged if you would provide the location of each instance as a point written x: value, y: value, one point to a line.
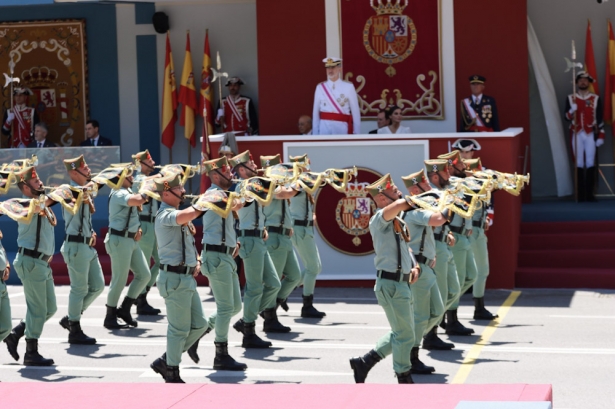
x: 5, y: 304
x: 187, y: 321
x: 478, y: 240
x: 262, y: 281
x: 280, y: 247
x: 463, y: 255
x: 395, y: 297
x: 220, y: 270
x: 302, y: 211
x: 148, y: 240
x: 428, y: 306
x: 84, y: 270
x: 124, y: 251
x: 35, y: 273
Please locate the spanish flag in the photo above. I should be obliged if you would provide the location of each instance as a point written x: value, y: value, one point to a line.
x: 169, y: 99
x: 590, y: 62
x: 609, y: 86
x: 187, y: 96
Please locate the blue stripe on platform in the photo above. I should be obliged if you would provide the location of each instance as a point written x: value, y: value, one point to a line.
x: 568, y: 211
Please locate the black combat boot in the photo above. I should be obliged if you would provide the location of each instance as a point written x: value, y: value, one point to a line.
x: 111, y: 319
x: 12, y: 340
x: 480, y: 312
x: 32, y: 357
x: 64, y: 323
x: 581, y: 185
x: 76, y: 335
x: 282, y: 303
x: 361, y: 365
x: 419, y: 367
x: 271, y: 323
x: 223, y: 361
x: 192, y: 351
x: 250, y: 339
x: 432, y: 341
x: 160, y: 365
x: 454, y: 327
x: 308, y: 310
x: 123, y: 312
x: 590, y: 179
x: 239, y: 325
x: 143, y: 307
x: 404, y: 377
x: 172, y: 375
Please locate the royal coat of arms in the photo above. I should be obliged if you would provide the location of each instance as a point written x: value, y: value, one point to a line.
x: 354, y: 211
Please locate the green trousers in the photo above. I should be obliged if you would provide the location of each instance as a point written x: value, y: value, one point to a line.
x: 446, y: 275
x: 396, y: 300
x: 37, y: 280
x: 280, y: 248
x: 303, y: 240
x: 5, y: 312
x: 149, y: 247
x: 262, y: 281
x: 125, y: 255
x: 86, y: 277
x: 478, y: 240
x: 186, y: 320
x: 428, y: 305
x: 465, y: 264
x: 220, y: 270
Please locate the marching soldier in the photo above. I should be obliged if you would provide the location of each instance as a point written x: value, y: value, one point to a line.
x: 279, y: 224
x: 220, y: 246
x: 428, y: 305
x: 462, y: 251
x: 262, y: 281
x: 336, y: 106
x: 148, y: 239
x: 446, y: 272
x: 36, y: 247
x: 5, y: 304
x: 19, y: 123
x: 302, y: 212
x: 123, y: 248
x: 237, y: 113
x: 395, y: 272
x: 479, y: 113
x: 179, y: 265
x: 86, y: 276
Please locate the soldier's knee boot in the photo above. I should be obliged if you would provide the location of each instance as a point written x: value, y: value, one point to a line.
x: 419, y: 367
x: 12, y: 340
x: 111, y: 319
x: 123, y: 312
x: 590, y: 179
x: 223, y: 361
x: 250, y: 339
x: 581, y: 185
x: 480, y: 312
x: 143, y: 307
x: 192, y: 351
x: 361, y: 365
x: 32, y: 357
x: 308, y: 310
x: 271, y: 323
x: 454, y: 327
x: 432, y: 341
x: 404, y: 377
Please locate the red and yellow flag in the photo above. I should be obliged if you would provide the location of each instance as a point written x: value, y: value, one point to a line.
x: 187, y: 96
x: 169, y: 99
x: 205, y: 108
x: 590, y: 63
x: 609, y: 86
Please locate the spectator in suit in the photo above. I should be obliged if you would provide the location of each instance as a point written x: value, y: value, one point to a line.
x: 381, y: 121
x: 40, y: 137
x: 94, y: 138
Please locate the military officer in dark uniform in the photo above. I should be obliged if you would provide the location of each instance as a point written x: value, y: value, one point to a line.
x: 479, y: 113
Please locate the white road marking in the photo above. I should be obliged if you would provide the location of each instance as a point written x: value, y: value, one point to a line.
x: 201, y: 372
x: 600, y: 317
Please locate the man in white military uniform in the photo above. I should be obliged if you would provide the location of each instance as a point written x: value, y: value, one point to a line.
x: 336, y: 107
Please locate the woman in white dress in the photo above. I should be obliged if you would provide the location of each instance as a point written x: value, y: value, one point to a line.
x: 394, y: 115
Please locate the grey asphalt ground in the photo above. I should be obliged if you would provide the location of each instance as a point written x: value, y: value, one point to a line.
x: 559, y: 337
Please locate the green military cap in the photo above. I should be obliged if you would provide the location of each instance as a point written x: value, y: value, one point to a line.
x: 141, y: 156
x: 267, y: 161
x: 214, y: 164
x: 381, y: 184
x: 414, y: 178
x: 436, y: 165
x: 75, y: 163
x: 473, y: 164
x: 167, y: 182
x: 453, y: 157
x: 26, y: 174
x: 244, y: 157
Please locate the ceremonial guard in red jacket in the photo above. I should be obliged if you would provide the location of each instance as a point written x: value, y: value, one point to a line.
x: 237, y: 113
x: 19, y: 122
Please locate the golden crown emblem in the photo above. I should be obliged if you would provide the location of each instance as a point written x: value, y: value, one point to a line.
x: 356, y: 189
x: 390, y: 7
x: 39, y: 77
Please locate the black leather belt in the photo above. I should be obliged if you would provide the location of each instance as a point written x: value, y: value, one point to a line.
x: 219, y: 249
x: 279, y: 230
x: 387, y: 275
x: 440, y: 236
x: 122, y: 233
x: 34, y: 254
x: 147, y: 218
x: 177, y: 269
x: 478, y: 223
x: 252, y: 233
x: 424, y: 260
x: 71, y: 238
x: 304, y: 223
x: 459, y: 230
